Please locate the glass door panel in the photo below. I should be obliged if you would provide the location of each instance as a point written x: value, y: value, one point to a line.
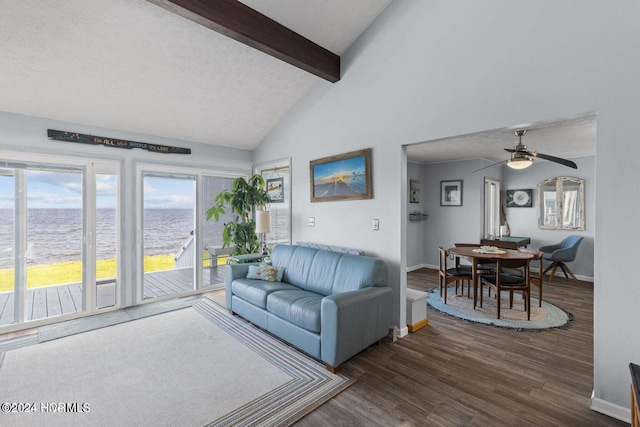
x: 169, y: 244
x: 215, y: 256
x: 106, y: 240
x: 54, y: 252
x: 7, y: 233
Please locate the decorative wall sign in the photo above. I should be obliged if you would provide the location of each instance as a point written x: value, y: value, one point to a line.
x: 414, y: 191
x: 343, y: 177
x: 519, y: 198
x: 59, y: 135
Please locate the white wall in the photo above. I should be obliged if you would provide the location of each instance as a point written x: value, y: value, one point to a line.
x: 429, y: 70
x: 448, y: 225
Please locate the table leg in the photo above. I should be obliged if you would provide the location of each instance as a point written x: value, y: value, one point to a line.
x: 474, y: 276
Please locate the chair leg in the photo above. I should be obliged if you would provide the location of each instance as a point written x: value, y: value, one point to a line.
x: 540, y: 293
x: 553, y: 267
x: 565, y: 270
x: 498, y: 298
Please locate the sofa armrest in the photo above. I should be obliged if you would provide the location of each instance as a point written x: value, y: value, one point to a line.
x: 352, y: 321
x: 234, y: 271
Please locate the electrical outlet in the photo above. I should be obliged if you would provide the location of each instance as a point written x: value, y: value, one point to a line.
x: 376, y: 224
x: 312, y: 221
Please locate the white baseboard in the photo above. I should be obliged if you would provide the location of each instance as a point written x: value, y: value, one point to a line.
x: 403, y: 332
x: 611, y: 410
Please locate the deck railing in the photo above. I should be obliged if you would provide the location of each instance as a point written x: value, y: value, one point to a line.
x: 185, y: 256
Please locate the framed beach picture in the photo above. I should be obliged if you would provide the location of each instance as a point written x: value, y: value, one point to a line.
x: 520, y: 198
x: 414, y: 191
x: 342, y: 177
x: 451, y: 193
x: 275, y: 188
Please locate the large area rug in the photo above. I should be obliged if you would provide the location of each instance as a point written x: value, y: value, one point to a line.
x: 546, y: 317
x: 190, y: 366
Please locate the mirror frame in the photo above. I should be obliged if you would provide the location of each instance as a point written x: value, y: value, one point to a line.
x: 559, y: 182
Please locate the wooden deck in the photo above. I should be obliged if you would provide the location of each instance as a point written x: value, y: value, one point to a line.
x: 52, y: 301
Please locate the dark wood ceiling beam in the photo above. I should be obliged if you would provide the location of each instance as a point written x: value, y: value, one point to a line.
x: 243, y: 24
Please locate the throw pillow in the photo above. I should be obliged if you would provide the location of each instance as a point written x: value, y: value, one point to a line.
x: 265, y: 272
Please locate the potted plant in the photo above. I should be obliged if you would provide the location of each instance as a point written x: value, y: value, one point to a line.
x: 245, y: 194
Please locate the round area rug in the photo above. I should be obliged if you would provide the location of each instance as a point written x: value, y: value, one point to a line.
x: 545, y: 317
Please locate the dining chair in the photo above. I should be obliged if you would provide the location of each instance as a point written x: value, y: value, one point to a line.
x: 536, y: 278
x: 500, y: 281
x: 561, y: 253
x: 483, y: 266
x: 448, y: 275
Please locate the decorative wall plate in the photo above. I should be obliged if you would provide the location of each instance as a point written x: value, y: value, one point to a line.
x: 520, y: 198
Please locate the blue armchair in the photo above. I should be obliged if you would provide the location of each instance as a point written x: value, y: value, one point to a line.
x: 560, y: 254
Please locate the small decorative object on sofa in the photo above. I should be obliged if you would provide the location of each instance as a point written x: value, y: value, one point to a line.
x: 330, y: 305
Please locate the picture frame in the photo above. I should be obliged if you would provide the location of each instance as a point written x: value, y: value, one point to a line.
x: 451, y: 193
x: 414, y: 191
x: 342, y: 177
x: 520, y: 198
x: 275, y: 188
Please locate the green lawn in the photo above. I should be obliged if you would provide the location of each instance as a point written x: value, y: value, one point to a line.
x: 71, y: 272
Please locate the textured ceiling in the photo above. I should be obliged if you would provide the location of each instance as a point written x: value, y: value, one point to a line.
x: 131, y: 65
x: 569, y: 138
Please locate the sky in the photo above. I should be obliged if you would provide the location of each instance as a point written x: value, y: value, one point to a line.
x: 326, y: 171
x: 63, y: 190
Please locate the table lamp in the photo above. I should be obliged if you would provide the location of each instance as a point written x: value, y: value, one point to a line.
x: 263, y: 226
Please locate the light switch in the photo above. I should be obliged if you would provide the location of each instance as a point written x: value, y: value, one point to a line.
x: 312, y: 221
x: 376, y: 224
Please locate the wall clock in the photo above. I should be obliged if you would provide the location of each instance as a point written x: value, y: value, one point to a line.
x: 520, y: 198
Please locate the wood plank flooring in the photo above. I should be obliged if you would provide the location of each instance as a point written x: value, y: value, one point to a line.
x: 458, y: 373
x: 52, y: 301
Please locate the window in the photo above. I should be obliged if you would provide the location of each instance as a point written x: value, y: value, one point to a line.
x: 561, y: 203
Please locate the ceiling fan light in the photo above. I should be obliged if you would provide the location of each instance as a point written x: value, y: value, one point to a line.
x: 520, y: 163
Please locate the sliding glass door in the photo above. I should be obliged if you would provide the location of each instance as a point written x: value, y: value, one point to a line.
x: 48, y: 244
x: 169, y: 238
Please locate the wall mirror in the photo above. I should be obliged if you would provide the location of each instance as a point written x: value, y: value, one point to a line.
x: 561, y: 203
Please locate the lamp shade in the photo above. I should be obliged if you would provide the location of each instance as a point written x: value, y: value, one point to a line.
x: 263, y: 221
x: 519, y: 163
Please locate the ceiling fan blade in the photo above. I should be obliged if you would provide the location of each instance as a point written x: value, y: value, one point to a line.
x: 564, y: 162
x: 510, y: 150
x: 504, y: 161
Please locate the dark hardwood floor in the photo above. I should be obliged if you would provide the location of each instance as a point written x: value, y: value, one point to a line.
x: 458, y: 373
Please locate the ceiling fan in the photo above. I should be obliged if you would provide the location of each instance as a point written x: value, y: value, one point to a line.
x: 522, y: 158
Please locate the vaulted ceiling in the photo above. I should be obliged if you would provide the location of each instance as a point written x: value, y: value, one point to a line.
x: 148, y: 67
x: 136, y: 66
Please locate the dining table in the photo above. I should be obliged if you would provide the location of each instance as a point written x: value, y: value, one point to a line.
x: 477, y: 254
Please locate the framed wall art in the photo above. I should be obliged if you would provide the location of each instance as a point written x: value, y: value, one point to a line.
x: 451, y: 193
x: 275, y: 188
x: 342, y: 177
x: 519, y: 198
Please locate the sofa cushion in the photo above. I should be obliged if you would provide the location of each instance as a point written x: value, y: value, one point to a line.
x: 265, y: 272
x: 300, y: 307
x: 256, y: 291
x: 326, y: 272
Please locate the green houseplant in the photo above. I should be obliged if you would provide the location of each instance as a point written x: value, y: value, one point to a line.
x: 244, y: 195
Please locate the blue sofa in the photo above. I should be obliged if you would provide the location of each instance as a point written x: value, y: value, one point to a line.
x: 330, y: 305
